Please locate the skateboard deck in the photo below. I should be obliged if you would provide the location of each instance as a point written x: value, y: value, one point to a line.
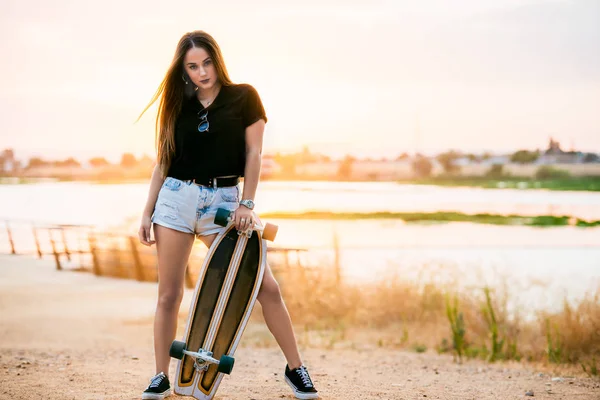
x: 223, y: 299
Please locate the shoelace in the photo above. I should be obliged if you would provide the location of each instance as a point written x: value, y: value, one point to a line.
x: 157, y: 380
x: 303, y: 373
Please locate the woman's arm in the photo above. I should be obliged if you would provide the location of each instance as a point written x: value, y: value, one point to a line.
x: 155, y: 184
x: 254, y: 141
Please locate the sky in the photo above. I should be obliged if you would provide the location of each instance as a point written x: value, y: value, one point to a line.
x: 368, y: 78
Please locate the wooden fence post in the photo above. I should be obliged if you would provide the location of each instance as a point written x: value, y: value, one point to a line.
x: 64, y: 239
x: 137, y: 263
x: 10, y: 239
x: 37, y: 241
x: 54, y: 251
x: 95, y: 262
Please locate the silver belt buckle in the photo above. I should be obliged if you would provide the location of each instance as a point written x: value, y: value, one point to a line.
x: 214, y: 183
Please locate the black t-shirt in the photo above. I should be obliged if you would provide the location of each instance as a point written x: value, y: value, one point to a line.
x: 222, y: 150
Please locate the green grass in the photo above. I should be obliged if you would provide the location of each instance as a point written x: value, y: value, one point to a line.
x: 494, y: 219
x: 591, y: 183
x: 457, y: 326
x: 419, y: 348
x: 489, y: 314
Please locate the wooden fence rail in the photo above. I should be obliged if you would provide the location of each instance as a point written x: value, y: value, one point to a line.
x: 114, y: 254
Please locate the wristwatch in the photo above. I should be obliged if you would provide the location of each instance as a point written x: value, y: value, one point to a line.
x: 247, y: 203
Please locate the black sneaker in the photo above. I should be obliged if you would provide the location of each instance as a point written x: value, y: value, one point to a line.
x: 158, y: 389
x: 300, y: 382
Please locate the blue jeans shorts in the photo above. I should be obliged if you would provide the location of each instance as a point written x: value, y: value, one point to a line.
x: 187, y: 207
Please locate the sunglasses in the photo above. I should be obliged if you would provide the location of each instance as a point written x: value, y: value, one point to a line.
x: 203, y: 125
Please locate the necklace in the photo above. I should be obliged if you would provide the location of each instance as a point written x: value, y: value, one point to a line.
x: 208, y: 103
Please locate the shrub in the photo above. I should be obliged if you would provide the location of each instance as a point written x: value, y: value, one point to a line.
x: 495, y: 171
x: 548, y: 172
x: 422, y: 167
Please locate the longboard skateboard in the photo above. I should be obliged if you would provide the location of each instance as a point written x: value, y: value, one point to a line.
x: 223, y: 300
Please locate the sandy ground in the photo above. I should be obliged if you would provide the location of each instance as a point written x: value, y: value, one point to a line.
x: 70, y: 335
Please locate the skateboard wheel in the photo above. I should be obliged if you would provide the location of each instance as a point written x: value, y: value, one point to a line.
x: 222, y: 216
x: 225, y: 364
x: 269, y: 232
x: 176, y: 350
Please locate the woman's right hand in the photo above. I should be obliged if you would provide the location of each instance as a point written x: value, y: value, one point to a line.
x: 144, y: 232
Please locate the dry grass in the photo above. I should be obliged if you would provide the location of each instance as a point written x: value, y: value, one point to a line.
x: 393, y: 313
x: 574, y: 333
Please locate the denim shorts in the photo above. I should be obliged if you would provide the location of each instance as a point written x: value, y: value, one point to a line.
x: 187, y: 207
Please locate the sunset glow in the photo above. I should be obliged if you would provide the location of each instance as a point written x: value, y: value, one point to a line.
x: 339, y: 77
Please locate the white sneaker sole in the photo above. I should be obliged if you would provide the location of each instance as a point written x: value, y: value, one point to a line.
x: 301, y: 395
x: 156, y: 396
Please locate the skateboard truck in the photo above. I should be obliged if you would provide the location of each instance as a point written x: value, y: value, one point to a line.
x: 224, y: 217
x: 202, y: 358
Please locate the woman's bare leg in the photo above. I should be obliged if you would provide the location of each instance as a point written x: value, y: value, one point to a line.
x: 278, y: 319
x: 275, y: 314
x: 173, y: 249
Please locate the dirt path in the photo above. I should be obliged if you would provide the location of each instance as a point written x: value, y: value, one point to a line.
x: 67, y: 335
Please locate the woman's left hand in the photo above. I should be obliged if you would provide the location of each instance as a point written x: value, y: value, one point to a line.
x: 243, y: 218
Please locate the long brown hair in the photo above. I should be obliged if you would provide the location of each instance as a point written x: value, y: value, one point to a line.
x: 172, y: 92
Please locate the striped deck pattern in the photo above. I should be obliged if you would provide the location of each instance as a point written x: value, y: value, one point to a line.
x: 225, y: 294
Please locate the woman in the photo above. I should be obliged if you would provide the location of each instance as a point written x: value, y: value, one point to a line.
x: 209, y: 134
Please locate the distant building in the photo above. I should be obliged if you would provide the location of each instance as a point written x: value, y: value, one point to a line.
x: 555, y: 155
x: 463, y: 161
x: 370, y: 170
x: 8, y: 163
x: 318, y: 170
x: 496, y: 160
x: 382, y: 170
